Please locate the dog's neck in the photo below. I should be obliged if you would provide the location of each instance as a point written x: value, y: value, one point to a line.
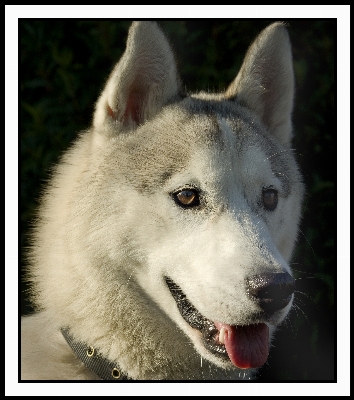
x: 93, y: 359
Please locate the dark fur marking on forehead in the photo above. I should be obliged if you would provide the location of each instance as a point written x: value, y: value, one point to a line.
x: 214, y: 111
x: 157, y: 155
x: 221, y: 108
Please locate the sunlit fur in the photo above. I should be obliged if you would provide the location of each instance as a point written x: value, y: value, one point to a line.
x: 109, y: 229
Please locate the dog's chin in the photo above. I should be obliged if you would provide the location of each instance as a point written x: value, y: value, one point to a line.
x: 227, y: 346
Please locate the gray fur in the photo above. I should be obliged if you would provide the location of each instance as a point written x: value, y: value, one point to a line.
x: 109, y: 230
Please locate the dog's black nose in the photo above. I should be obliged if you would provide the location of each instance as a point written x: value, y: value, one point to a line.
x: 271, y: 291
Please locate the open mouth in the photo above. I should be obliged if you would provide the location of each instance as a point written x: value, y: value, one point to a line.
x: 246, y: 346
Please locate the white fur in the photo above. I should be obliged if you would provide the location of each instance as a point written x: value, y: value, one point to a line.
x: 109, y: 230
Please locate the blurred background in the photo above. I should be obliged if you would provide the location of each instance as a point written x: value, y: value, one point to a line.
x: 63, y: 67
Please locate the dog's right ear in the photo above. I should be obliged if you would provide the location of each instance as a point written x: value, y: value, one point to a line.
x: 142, y: 82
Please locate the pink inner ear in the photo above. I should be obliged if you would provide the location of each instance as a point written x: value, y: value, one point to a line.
x: 133, y: 107
x: 110, y: 112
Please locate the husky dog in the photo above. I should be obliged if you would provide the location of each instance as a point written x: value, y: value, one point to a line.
x: 164, y: 237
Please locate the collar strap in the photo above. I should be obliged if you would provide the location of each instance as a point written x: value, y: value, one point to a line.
x: 93, y: 359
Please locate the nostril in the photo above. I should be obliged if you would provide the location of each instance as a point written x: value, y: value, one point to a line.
x: 272, y: 291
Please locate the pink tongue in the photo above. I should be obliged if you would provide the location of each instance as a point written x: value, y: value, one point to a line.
x: 247, y: 346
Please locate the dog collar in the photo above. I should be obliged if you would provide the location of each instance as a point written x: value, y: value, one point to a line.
x: 93, y: 359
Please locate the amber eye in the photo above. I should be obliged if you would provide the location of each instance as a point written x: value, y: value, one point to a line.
x: 187, y: 198
x: 270, y: 199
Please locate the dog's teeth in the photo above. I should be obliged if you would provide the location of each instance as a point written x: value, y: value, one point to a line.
x: 222, y: 336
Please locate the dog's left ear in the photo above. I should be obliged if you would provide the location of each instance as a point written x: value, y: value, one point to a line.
x: 265, y: 83
x: 142, y: 82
